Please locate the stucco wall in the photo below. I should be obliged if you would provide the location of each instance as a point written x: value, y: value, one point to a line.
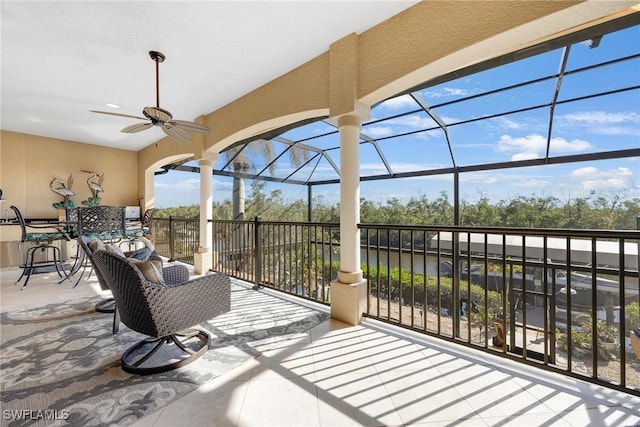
x: 29, y: 163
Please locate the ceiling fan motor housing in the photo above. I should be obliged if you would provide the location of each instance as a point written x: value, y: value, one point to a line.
x: 157, y: 115
x: 156, y: 56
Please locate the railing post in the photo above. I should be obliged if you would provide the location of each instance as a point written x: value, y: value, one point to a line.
x: 456, y: 272
x: 257, y: 239
x: 172, y: 239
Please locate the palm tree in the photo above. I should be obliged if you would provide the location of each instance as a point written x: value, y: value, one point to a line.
x: 241, y: 164
x: 238, y: 156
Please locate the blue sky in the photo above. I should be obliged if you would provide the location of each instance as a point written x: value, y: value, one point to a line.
x: 591, y: 125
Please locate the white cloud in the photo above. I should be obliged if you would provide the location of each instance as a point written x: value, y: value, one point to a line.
x: 413, y: 121
x: 373, y: 168
x: 399, y: 102
x: 535, y: 146
x: 604, y: 123
x: 616, y: 130
x: 591, y: 178
x: 563, y: 146
x: 171, y: 191
x: 506, y: 123
x: 182, y: 185
x: 378, y: 131
x: 601, y: 117
x: 444, y: 92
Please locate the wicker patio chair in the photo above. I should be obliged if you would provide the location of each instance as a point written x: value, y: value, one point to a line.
x: 163, y: 311
x: 172, y: 274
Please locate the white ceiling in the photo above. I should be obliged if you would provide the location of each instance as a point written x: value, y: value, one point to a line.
x: 60, y: 59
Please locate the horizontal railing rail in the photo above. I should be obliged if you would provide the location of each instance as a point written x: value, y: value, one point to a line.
x: 562, y: 300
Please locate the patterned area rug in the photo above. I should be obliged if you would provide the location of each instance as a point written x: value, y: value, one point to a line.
x: 60, y: 363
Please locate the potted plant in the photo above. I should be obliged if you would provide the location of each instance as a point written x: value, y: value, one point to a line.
x: 607, y: 339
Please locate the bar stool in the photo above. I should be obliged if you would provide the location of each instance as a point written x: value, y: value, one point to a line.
x: 43, y: 242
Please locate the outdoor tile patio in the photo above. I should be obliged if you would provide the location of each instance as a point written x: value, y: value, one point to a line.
x: 367, y: 375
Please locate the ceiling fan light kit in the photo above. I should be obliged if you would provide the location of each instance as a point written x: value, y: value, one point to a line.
x: 175, y: 129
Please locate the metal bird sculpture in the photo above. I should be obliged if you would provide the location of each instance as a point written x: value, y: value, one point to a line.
x: 58, y: 186
x: 95, y: 185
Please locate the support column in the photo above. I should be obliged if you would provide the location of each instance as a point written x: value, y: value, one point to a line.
x: 203, y: 260
x: 349, y: 290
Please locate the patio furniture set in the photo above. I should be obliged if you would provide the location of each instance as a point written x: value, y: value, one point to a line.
x: 149, y: 297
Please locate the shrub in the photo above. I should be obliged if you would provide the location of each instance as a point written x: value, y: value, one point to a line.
x: 632, y: 315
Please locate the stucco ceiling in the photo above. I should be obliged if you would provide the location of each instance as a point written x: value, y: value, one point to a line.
x: 62, y: 59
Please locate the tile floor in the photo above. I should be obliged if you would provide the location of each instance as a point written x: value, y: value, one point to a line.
x: 368, y: 375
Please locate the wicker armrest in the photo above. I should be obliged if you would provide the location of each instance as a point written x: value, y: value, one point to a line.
x: 175, y: 274
x: 191, y: 302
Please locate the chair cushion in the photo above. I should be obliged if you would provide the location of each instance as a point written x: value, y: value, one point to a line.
x: 96, y: 244
x: 143, y: 253
x: 115, y: 249
x: 44, y: 237
x: 151, y: 270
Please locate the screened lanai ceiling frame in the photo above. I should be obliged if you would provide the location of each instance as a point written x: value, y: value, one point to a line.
x: 591, y: 36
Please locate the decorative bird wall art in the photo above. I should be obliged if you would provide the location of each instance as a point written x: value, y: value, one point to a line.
x: 95, y: 185
x: 64, y: 189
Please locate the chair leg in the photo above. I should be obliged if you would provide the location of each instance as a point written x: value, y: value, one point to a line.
x: 22, y: 264
x: 78, y: 261
x: 24, y: 270
x: 106, y: 306
x: 136, y: 366
x: 28, y: 266
x: 57, y: 260
x: 30, y: 261
x: 80, y: 277
x: 116, y: 320
x: 82, y: 264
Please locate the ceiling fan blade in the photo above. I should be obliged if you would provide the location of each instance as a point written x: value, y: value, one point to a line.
x: 118, y: 114
x: 137, y: 127
x: 159, y: 114
x: 176, y: 133
x: 191, y: 126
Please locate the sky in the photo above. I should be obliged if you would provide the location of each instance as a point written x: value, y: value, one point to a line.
x: 479, y: 132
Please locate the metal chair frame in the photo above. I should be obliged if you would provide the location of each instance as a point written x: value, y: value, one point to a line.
x: 44, y: 243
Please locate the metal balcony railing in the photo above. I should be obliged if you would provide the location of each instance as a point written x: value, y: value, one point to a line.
x: 565, y: 300
x: 562, y: 300
x: 176, y: 238
x: 297, y: 258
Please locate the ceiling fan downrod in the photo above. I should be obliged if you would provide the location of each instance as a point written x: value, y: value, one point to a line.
x: 158, y: 58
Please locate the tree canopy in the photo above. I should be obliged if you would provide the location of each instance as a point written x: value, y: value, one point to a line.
x: 612, y: 211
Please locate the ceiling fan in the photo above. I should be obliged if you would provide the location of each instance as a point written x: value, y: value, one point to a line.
x: 156, y: 116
